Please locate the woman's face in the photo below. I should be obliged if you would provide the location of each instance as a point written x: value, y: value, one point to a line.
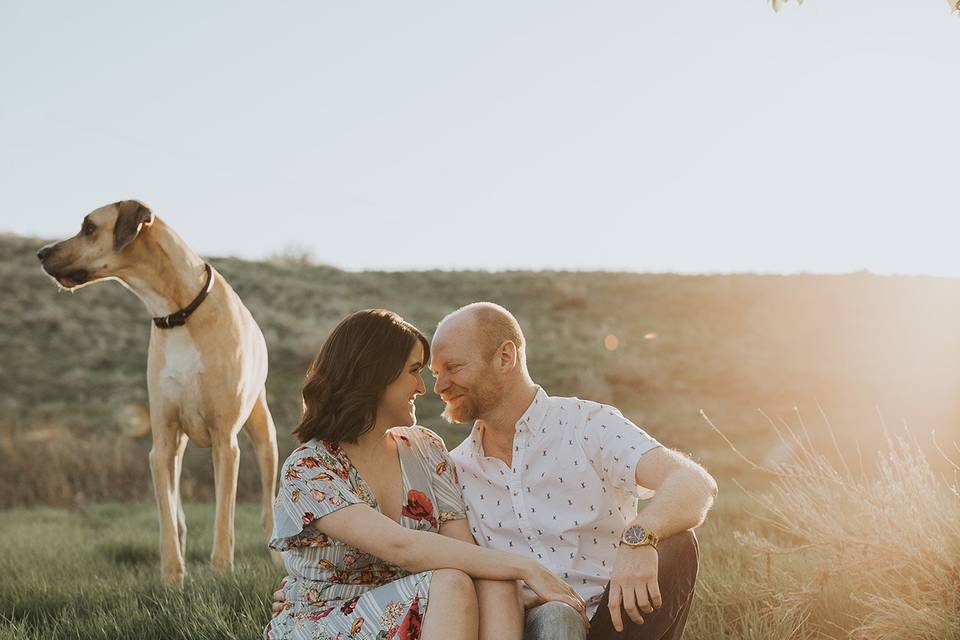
x: 396, y: 408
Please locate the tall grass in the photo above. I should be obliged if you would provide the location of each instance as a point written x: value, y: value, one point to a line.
x: 866, y: 551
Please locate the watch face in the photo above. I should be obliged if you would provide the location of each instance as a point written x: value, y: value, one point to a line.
x: 634, y: 535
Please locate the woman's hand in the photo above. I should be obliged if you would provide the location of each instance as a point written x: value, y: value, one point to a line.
x: 279, y: 598
x: 549, y: 587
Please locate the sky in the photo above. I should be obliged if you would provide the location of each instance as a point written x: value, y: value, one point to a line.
x: 693, y: 137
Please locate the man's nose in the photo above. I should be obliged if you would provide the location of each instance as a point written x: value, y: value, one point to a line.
x: 44, y: 251
x: 440, y: 385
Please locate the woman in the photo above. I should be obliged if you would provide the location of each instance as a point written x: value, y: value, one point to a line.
x: 363, y: 499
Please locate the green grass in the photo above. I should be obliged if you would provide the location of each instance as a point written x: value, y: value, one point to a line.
x: 94, y: 573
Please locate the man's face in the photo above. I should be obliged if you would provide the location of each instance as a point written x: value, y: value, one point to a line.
x: 468, y: 383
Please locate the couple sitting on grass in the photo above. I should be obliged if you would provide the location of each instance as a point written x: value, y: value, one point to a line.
x: 528, y: 529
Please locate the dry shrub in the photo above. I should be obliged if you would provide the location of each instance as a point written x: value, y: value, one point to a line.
x: 857, y: 553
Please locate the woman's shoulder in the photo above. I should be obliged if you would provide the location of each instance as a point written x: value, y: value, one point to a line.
x: 313, y: 453
x: 418, y: 436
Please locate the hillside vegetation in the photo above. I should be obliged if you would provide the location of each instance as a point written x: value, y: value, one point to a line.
x: 72, y: 364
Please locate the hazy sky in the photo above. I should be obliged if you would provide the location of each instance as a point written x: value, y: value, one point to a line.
x: 652, y: 136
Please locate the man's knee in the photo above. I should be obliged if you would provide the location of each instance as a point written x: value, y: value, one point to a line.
x: 680, y: 557
x: 554, y: 621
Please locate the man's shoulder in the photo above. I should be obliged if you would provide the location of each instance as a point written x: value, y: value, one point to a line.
x: 580, y: 407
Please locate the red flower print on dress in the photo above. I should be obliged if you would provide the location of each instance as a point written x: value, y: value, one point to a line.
x: 410, y: 627
x: 419, y: 507
x: 405, y: 440
x: 309, y: 462
x: 308, y: 518
x: 350, y: 605
x: 441, y: 468
x: 339, y: 469
x: 332, y: 448
x: 322, y: 614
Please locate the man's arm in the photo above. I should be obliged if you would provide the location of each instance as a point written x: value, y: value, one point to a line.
x: 684, y: 493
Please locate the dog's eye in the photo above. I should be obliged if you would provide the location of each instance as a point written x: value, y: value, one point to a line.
x: 88, y: 228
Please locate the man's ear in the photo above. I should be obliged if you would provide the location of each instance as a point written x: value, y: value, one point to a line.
x: 132, y: 215
x: 507, y: 355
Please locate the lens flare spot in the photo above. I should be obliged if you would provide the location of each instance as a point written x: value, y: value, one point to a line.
x: 611, y: 342
x: 650, y: 336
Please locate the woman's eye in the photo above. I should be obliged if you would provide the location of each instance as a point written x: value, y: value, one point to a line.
x: 88, y: 229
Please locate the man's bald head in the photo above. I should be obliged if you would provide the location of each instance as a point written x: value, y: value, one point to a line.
x: 490, y: 325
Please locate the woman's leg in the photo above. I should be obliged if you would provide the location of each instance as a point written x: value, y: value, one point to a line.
x: 501, y: 612
x: 451, y: 607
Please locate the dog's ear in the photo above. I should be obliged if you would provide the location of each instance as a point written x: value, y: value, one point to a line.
x: 132, y: 215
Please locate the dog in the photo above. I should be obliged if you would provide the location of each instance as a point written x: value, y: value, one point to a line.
x: 206, y: 364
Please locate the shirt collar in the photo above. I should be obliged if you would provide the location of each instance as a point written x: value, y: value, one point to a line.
x: 528, y: 422
x: 533, y: 416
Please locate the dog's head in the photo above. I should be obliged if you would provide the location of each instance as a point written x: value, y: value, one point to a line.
x: 107, y: 238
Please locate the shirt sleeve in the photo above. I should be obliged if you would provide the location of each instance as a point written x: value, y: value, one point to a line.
x: 446, y: 485
x: 312, y: 485
x: 614, y: 446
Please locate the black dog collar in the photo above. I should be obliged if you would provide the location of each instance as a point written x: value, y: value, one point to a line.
x: 179, y: 318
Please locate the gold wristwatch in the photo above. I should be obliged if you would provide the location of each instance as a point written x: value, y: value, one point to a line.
x: 636, y: 536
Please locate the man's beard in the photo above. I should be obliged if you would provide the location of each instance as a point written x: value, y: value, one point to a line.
x: 473, y: 404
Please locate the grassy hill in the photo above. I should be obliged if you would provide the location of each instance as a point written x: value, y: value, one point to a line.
x: 727, y: 344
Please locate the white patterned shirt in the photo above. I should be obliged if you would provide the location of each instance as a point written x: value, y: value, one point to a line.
x: 569, y: 494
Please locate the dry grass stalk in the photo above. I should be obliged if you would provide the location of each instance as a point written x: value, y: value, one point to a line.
x: 875, y: 556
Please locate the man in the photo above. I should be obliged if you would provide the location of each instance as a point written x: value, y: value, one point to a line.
x: 558, y: 479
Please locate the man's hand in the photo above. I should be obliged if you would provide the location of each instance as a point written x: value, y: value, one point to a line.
x: 279, y: 599
x: 633, y: 584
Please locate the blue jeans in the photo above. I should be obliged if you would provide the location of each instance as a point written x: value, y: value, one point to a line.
x: 677, y: 574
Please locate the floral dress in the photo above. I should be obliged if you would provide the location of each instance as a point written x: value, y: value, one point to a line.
x: 335, y: 591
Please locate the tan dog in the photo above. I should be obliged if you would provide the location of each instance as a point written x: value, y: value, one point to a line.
x: 205, y: 375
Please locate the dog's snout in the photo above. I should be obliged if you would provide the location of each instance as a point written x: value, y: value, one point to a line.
x: 44, y: 252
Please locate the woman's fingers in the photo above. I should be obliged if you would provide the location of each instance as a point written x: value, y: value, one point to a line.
x: 581, y: 608
x: 279, y: 598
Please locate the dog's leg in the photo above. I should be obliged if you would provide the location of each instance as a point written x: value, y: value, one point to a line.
x: 263, y: 435
x: 163, y: 466
x: 226, y: 463
x: 181, y: 516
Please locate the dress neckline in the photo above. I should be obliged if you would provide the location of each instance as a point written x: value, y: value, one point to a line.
x: 368, y: 490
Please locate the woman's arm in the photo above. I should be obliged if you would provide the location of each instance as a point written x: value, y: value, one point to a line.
x: 370, y: 531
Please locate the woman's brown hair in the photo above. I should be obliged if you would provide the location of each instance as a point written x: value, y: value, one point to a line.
x: 344, y: 384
